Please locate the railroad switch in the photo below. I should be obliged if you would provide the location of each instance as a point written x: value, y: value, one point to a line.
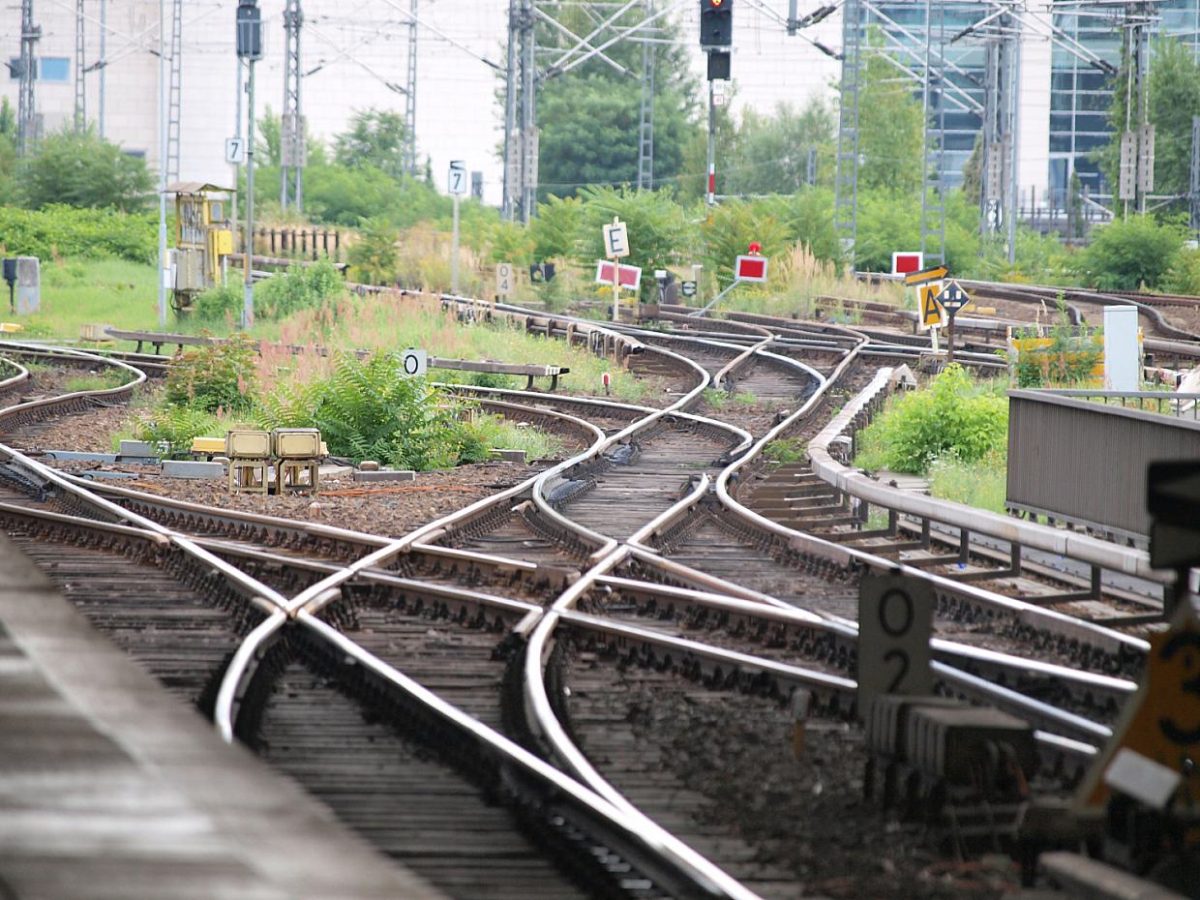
x: 951, y: 764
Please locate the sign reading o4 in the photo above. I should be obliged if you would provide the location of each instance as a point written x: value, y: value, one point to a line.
x: 504, y: 279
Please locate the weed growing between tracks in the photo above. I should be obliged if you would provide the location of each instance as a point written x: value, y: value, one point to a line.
x: 395, y: 322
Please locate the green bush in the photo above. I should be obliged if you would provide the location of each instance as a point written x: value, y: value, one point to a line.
x: 66, y: 231
x: 299, y: 288
x: 219, y: 304
x: 366, y: 411
x: 217, y: 376
x: 373, y: 256
x: 1131, y: 253
x: 952, y: 416
x: 83, y: 169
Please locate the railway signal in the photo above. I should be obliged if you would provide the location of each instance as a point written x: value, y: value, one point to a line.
x: 716, y: 23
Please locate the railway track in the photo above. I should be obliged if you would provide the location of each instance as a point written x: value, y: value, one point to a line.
x: 592, y: 608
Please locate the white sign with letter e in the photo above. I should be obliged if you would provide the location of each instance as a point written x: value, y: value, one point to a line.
x: 616, y: 240
x: 457, y: 182
x: 504, y: 279
x: 235, y: 151
x: 895, y: 613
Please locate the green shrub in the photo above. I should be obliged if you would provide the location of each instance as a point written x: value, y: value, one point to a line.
x: 219, y: 304
x: 366, y: 411
x: 217, y: 376
x: 298, y: 288
x: 373, y: 256
x: 66, y: 231
x: 951, y: 416
x: 1131, y: 253
x: 83, y: 169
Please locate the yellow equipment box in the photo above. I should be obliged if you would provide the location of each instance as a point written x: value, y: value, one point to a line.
x: 296, y: 443
x: 248, y: 444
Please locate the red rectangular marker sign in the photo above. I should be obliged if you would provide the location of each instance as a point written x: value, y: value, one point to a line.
x: 751, y: 268
x: 631, y: 276
x: 903, y: 263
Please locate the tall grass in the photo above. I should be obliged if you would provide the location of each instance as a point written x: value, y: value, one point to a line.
x: 395, y: 322
x: 800, y: 279
x: 982, y: 484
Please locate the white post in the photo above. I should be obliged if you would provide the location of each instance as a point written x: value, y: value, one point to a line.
x: 454, y: 251
x: 163, y: 271
x: 248, y: 254
x: 616, y: 290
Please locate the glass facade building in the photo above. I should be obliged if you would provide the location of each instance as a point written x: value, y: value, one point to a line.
x: 1080, y: 90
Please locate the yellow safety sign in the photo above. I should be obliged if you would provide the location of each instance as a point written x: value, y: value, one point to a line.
x: 1160, y: 725
x: 932, y: 314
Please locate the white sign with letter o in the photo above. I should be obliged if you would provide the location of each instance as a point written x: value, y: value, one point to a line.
x: 413, y: 363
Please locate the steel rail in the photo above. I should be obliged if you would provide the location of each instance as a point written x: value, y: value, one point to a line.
x: 1041, y: 537
x: 13, y: 381
x: 632, y: 825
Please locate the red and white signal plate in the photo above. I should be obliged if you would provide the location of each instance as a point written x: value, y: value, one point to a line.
x: 631, y: 276
x: 751, y: 268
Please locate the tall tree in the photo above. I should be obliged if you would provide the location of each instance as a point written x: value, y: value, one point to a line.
x: 771, y: 152
x: 375, y: 138
x: 1173, y: 97
x: 588, y: 117
x: 890, y: 128
x: 83, y: 169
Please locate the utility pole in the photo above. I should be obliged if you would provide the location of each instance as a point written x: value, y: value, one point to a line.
x: 845, y: 204
x: 80, y: 93
x: 529, y: 137
x: 103, y: 60
x: 410, y: 94
x: 645, y: 171
x: 293, y: 149
x: 520, y: 114
x: 508, y: 203
x: 249, y: 48
x: 1137, y: 140
x: 164, y: 271
x: 175, y: 101
x: 26, y: 116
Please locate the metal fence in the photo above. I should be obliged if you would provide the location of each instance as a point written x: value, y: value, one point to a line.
x: 1074, y: 456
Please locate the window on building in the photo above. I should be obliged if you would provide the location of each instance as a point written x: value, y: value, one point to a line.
x: 54, y: 69
x: 47, y: 68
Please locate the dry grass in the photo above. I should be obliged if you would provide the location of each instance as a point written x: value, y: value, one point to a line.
x: 801, y: 278
x: 393, y: 321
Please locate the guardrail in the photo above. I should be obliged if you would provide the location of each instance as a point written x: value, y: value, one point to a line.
x: 1083, y: 462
